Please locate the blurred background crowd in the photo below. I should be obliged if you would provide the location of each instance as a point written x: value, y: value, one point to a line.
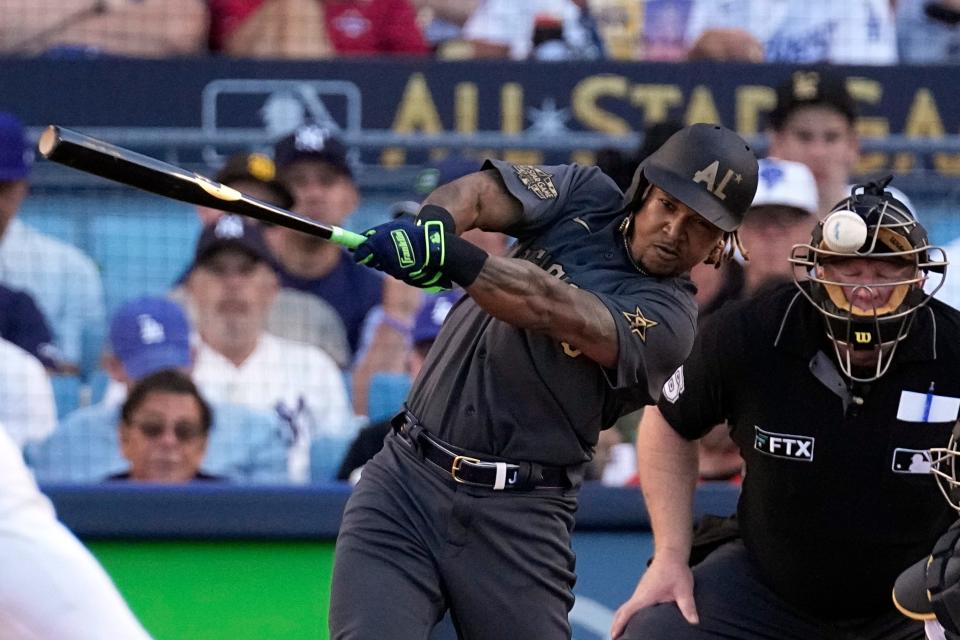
x: 144, y: 340
x: 861, y: 32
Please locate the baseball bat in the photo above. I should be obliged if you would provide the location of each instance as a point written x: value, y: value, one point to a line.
x: 143, y: 172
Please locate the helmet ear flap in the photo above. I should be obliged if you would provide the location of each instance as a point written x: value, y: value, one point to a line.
x: 637, y: 191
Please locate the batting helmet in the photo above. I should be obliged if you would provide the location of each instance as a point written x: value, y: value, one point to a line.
x: 883, y: 228
x: 706, y: 167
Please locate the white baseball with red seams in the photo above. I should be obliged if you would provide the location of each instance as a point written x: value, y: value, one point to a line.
x: 844, y: 232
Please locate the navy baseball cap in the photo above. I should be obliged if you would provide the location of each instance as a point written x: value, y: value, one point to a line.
x: 312, y: 142
x: 16, y: 156
x: 234, y: 232
x: 431, y: 315
x: 812, y: 87
x: 150, y: 334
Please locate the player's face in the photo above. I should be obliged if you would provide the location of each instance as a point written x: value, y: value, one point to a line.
x: 320, y: 192
x: 232, y: 293
x: 868, y: 283
x: 165, y: 439
x: 822, y: 139
x: 669, y: 238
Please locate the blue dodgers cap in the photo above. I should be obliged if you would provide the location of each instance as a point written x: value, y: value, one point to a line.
x: 149, y: 335
x: 16, y: 156
x: 431, y: 315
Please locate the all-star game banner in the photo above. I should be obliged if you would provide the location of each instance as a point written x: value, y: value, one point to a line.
x: 220, y: 96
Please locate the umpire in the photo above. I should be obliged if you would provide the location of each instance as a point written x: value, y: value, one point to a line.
x: 835, y: 388
x: 470, y: 505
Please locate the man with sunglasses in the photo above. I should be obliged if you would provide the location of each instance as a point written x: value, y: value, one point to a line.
x: 163, y: 430
x: 148, y: 335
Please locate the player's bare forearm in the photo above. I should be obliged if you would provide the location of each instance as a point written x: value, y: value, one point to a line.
x: 478, y: 200
x: 527, y: 297
x: 668, y: 477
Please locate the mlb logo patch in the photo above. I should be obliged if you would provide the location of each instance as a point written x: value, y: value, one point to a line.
x: 784, y: 445
x: 912, y: 461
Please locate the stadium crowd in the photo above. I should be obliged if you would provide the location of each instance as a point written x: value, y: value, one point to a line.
x: 805, y: 31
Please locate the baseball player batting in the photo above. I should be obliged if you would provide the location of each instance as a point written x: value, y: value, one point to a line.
x: 470, y: 505
x: 51, y: 588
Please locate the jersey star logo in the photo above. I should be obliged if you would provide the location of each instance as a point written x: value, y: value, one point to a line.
x: 639, y: 323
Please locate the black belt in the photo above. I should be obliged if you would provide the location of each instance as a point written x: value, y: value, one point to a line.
x: 473, y: 471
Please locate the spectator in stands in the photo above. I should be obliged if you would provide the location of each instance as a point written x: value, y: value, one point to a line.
x: 536, y: 29
x: 313, y: 164
x: 61, y: 279
x: 927, y: 31
x: 664, y: 30
x: 814, y: 122
x: 426, y: 326
x: 783, y: 213
x: 292, y: 29
x: 148, y: 335
x: 23, y: 324
x: 367, y: 27
x: 312, y: 29
x: 793, y: 31
x: 294, y: 315
x: 443, y: 20
x: 164, y: 424
x: 145, y: 28
x: 253, y: 174
x: 232, y: 285
x: 27, y: 407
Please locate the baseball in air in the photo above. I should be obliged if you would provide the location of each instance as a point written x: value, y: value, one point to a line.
x: 844, y: 232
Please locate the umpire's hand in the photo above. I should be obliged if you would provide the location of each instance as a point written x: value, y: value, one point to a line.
x: 413, y: 252
x: 666, y: 580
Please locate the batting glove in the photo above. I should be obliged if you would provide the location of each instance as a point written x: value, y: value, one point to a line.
x: 413, y: 252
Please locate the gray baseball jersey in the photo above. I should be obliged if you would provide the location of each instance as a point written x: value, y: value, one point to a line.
x: 491, y: 388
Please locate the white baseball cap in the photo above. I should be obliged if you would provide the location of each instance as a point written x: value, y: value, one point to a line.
x: 786, y: 183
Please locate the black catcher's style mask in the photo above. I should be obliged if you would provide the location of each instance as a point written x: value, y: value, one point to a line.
x: 870, y: 224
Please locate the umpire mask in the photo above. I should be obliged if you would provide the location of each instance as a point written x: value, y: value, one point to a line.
x: 871, y: 224
x: 945, y: 466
